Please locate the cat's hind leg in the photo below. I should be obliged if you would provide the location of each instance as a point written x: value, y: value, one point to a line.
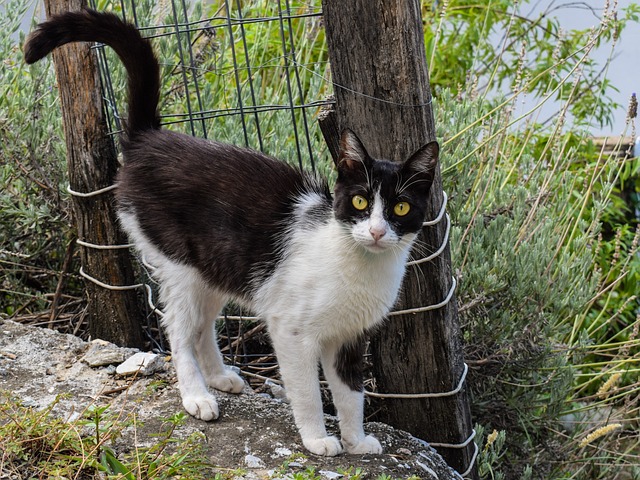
x: 216, y: 374
x: 187, y: 311
x: 343, y: 368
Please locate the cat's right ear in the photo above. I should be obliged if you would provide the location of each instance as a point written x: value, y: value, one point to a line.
x: 353, y: 156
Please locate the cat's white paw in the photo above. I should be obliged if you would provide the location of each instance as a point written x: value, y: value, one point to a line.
x: 326, y: 446
x: 229, y: 381
x: 204, y: 407
x: 368, y: 444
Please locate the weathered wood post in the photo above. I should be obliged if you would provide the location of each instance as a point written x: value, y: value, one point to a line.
x: 114, y: 315
x: 382, y: 91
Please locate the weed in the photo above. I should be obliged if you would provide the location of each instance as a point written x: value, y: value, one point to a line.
x: 37, y: 443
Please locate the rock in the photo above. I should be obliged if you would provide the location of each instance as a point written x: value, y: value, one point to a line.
x: 277, y: 391
x: 265, y: 426
x: 282, y: 452
x: 330, y: 475
x: 251, y: 461
x: 141, y: 363
x: 101, y: 354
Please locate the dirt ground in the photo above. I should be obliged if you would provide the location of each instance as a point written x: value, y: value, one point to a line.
x: 255, y: 432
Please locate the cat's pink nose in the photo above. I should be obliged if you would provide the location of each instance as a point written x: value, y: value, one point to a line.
x: 377, y: 232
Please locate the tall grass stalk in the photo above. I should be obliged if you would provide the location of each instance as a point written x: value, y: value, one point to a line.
x: 547, y: 293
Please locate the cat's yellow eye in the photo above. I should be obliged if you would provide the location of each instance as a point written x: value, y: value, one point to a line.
x: 359, y: 202
x: 401, y: 209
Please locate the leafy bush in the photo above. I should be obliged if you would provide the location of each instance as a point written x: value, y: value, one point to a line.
x: 546, y: 247
x: 35, y: 218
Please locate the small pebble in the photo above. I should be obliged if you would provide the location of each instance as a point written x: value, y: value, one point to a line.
x: 330, y: 475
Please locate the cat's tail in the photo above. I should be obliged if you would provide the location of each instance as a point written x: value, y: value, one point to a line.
x: 134, y: 51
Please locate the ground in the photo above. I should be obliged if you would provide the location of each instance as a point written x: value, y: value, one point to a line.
x: 255, y: 434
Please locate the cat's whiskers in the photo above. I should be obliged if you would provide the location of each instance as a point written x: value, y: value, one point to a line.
x: 398, y: 184
x: 408, y: 183
x: 366, y: 171
x: 419, y: 252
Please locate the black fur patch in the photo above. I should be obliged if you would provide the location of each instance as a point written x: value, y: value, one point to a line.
x: 219, y: 208
x: 350, y: 363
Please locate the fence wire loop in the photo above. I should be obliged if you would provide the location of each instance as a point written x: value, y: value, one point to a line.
x: 91, y: 194
x: 447, y: 299
x: 450, y: 393
x: 103, y: 247
x: 462, y: 445
x: 106, y: 285
x: 443, y: 209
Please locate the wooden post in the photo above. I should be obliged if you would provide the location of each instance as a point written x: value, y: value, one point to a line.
x: 92, y: 164
x: 382, y: 93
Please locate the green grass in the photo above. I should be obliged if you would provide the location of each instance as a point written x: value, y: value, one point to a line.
x: 37, y: 443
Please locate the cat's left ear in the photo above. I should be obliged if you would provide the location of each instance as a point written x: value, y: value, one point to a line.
x: 422, y: 164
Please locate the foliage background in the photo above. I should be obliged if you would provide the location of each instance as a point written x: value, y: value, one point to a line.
x: 545, y: 221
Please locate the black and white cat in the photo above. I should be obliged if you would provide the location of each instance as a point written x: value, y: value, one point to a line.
x: 224, y: 223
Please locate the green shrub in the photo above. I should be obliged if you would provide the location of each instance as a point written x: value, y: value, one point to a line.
x: 34, y: 220
x: 545, y: 238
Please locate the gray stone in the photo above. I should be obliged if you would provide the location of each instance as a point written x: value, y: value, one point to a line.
x: 330, y: 475
x: 277, y: 391
x: 263, y: 425
x: 251, y: 461
x: 101, y: 354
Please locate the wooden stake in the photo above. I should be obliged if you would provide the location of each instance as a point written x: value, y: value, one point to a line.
x: 382, y: 92
x: 92, y: 164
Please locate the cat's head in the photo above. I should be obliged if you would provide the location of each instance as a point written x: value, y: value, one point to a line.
x: 382, y: 203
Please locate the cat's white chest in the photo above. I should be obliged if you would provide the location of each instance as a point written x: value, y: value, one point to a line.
x: 330, y: 289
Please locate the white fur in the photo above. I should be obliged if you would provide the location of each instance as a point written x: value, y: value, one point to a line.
x: 334, y: 283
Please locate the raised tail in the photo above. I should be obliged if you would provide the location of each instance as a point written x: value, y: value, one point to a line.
x: 134, y: 51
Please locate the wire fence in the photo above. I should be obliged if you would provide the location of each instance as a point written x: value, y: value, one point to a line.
x: 251, y: 73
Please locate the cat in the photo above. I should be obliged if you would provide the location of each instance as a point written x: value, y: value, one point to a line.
x: 221, y: 222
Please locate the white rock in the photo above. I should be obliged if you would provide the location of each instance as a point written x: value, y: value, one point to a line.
x: 283, y: 452
x: 251, y: 461
x: 330, y: 475
x: 277, y: 391
x: 142, y: 363
x: 103, y: 353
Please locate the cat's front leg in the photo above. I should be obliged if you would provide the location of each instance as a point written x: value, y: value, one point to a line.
x: 299, y: 370
x: 196, y: 399
x: 343, y: 368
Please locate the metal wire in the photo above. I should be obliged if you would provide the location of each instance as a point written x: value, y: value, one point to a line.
x: 235, y: 26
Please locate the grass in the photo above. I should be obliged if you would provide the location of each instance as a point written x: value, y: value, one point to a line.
x: 37, y: 443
